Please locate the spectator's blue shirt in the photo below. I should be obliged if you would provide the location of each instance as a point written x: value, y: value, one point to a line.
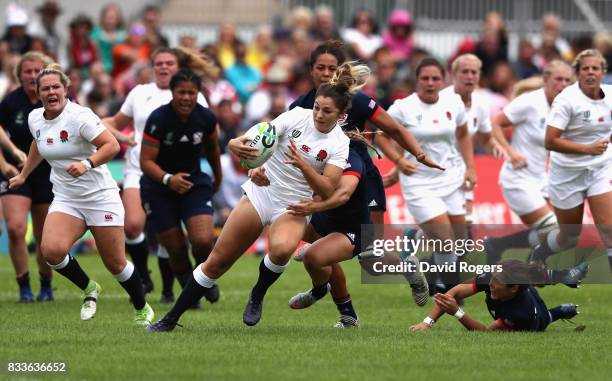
x: 245, y: 78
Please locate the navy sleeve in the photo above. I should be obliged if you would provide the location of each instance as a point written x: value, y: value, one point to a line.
x: 4, y: 113
x: 155, y: 127
x: 354, y: 165
x: 364, y: 106
x: 481, y: 282
x: 211, y: 122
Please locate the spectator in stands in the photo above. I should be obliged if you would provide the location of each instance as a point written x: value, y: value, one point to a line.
x: 363, y: 35
x: 301, y: 18
x: 226, y: 40
x: 398, y: 38
x: 19, y: 41
x: 499, y: 87
x: 324, y: 27
x: 244, y: 77
x: 525, y: 66
x: 550, y: 32
x: 258, y: 52
x: 74, y: 89
x: 385, y: 69
x: 219, y: 89
x: 109, y: 33
x: 260, y: 103
x: 8, y: 81
x: 83, y: 52
x: 603, y: 42
x: 45, y: 27
x: 134, y: 49
x: 228, y: 118
x: 493, y: 45
x: 151, y: 19
x: 189, y: 41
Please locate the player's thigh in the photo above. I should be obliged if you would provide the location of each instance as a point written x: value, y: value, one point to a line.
x: 601, y: 209
x: 135, y: 216
x: 60, y: 232
x: 110, y: 241
x: 286, y: 232
x: 333, y: 248
x: 200, y: 229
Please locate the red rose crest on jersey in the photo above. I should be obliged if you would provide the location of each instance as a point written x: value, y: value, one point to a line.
x: 321, y: 155
x: 601, y: 119
x: 449, y: 115
x: 63, y: 136
x: 108, y: 217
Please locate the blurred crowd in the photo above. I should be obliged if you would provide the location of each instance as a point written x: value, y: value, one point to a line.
x: 258, y: 79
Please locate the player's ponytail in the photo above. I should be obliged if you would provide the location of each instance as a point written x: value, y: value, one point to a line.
x: 348, y: 79
x: 515, y: 272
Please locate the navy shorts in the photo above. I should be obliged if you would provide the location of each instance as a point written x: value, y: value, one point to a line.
x: 39, y: 190
x: 324, y: 227
x: 166, y: 209
x: 377, y: 201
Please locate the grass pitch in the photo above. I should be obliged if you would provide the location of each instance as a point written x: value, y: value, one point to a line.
x: 294, y: 345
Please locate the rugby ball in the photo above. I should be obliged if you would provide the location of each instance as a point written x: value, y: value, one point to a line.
x: 263, y: 137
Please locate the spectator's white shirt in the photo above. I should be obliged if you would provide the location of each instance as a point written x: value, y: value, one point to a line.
x: 527, y: 113
x: 66, y: 140
x: 583, y: 120
x: 477, y: 115
x: 287, y: 183
x: 139, y: 104
x: 433, y: 126
x: 368, y: 44
x: 232, y: 180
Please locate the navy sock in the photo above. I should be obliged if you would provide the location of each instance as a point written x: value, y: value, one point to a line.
x: 192, y: 292
x: 319, y: 291
x: 45, y: 279
x: 515, y: 240
x: 543, y: 251
x: 345, y: 307
x: 24, y: 280
x: 140, y: 255
x: 166, y: 274
x: 183, y: 278
x: 266, y: 278
x: 133, y: 286
x: 74, y: 273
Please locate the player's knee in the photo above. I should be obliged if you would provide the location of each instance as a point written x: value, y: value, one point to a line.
x: 53, y: 251
x: 282, y: 250
x: 545, y: 224
x: 132, y: 228
x: 312, y: 260
x: 16, y: 231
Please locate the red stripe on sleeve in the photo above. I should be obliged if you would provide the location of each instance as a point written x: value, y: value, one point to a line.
x: 150, y: 138
x: 502, y: 325
x: 378, y: 111
x: 474, y: 285
x: 352, y: 173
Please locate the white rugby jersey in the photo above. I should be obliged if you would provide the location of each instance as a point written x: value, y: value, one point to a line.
x: 583, y: 120
x: 139, y: 104
x: 65, y: 140
x: 477, y: 115
x: 287, y: 183
x: 527, y: 113
x: 433, y: 126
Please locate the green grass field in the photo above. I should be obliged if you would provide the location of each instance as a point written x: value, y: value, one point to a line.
x: 302, y: 345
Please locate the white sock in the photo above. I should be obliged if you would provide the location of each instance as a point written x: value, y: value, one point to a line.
x: 551, y: 238
x: 533, y: 238
x: 273, y: 267
x: 134, y: 241
x: 202, y: 279
x: 63, y: 263
x: 126, y: 273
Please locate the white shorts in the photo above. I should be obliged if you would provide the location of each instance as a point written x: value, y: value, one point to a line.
x: 268, y: 208
x: 428, y: 206
x: 106, y: 213
x: 525, y: 197
x: 569, y: 188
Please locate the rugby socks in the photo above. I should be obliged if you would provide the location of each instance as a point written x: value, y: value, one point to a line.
x: 139, y: 251
x: 69, y: 267
x: 45, y: 279
x: 129, y: 279
x: 319, y: 291
x: 197, y: 286
x: 183, y: 278
x: 345, y: 306
x: 268, y: 274
x: 167, y: 275
x: 515, y: 240
x: 24, y: 280
x: 610, y: 257
x: 547, y: 248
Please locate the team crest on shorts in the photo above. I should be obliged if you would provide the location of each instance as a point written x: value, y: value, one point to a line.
x: 108, y: 217
x: 63, y: 136
x: 321, y: 155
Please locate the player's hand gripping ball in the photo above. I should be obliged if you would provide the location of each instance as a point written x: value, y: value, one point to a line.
x: 263, y: 137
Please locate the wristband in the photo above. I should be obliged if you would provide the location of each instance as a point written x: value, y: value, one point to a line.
x: 87, y: 164
x: 459, y: 314
x: 90, y: 162
x: 166, y: 179
x: 429, y: 321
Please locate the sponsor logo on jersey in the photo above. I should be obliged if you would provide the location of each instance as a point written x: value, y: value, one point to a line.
x: 305, y: 148
x: 372, y: 104
x: 321, y: 155
x: 296, y: 134
x: 209, y: 203
x: 351, y: 236
x: 373, y: 203
x: 435, y: 121
x: 169, y: 137
x: 63, y: 136
x: 108, y: 217
x: 37, y: 134
x: 184, y: 139
x: 19, y: 118
x: 586, y: 115
x: 49, y: 141
x: 197, y: 137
